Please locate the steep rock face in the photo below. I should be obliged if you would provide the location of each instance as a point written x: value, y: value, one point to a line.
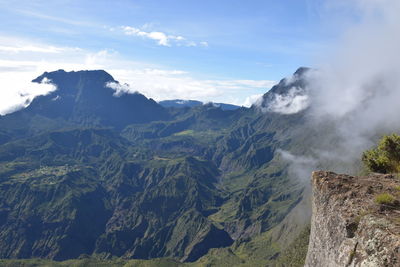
x: 348, y: 227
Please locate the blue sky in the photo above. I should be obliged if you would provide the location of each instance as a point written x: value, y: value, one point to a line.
x: 220, y: 50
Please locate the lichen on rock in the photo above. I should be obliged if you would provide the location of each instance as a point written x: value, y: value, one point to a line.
x: 348, y: 227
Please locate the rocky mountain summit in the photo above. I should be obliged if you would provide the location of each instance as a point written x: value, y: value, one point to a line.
x: 355, y: 221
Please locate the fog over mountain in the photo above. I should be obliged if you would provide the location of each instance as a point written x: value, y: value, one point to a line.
x: 356, y: 88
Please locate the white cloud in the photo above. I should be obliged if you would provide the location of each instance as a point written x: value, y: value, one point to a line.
x: 16, y: 45
x: 120, y: 89
x: 264, y: 84
x: 253, y: 99
x: 161, y: 38
x: 174, y: 84
x: 293, y: 102
x: 17, y: 49
x: 23, y: 92
x: 299, y: 166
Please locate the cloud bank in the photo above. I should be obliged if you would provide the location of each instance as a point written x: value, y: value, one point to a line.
x: 174, y: 84
x: 356, y: 90
x: 360, y: 87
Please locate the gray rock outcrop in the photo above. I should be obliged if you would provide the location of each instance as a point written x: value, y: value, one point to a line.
x: 349, y: 227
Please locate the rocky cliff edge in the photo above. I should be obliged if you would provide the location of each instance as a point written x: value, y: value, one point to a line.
x: 349, y: 226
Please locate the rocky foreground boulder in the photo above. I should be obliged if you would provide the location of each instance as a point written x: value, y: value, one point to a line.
x: 355, y: 221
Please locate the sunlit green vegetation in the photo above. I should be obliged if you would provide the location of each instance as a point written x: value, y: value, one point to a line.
x: 384, y: 198
x: 385, y: 158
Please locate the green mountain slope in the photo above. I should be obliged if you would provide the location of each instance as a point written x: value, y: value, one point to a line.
x: 138, y: 181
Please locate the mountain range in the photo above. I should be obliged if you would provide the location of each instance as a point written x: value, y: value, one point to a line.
x: 86, y: 172
x: 179, y: 103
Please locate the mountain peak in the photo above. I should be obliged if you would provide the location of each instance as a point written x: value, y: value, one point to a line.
x: 85, y: 98
x: 301, y: 71
x: 101, y: 75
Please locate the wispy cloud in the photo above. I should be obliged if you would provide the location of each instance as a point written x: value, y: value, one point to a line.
x: 10, y: 45
x: 299, y: 166
x: 161, y: 38
x: 30, y: 48
x: 40, y: 15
